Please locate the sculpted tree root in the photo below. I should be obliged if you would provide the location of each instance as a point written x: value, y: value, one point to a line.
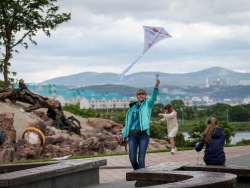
x: 23, y: 94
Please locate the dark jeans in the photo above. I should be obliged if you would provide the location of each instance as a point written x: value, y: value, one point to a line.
x: 138, y: 140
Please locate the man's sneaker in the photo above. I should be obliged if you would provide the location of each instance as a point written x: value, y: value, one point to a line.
x: 173, y: 150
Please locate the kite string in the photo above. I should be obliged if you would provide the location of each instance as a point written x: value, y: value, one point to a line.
x: 150, y: 45
x: 129, y: 67
x: 132, y: 64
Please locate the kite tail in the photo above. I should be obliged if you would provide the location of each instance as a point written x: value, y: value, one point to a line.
x: 129, y: 67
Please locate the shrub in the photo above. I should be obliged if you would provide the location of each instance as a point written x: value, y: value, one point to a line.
x: 158, y: 131
x: 82, y: 112
x: 180, y: 140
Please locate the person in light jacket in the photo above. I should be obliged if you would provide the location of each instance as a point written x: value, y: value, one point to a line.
x: 170, y: 117
x: 214, y: 138
x: 137, y: 128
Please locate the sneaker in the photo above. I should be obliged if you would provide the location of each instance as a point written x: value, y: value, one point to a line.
x: 173, y: 150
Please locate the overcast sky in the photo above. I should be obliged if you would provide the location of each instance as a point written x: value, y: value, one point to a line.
x: 107, y: 36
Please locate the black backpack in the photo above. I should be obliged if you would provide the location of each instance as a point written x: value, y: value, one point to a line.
x: 2, y: 137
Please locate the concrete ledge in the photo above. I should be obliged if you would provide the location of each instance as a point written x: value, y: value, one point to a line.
x: 240, y: 171
x: 69, y: 173
x: 182, y: 179
x: 173, y: 175
x: 7, y: 168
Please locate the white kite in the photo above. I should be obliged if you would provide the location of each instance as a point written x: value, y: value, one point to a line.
x: 152, y: 35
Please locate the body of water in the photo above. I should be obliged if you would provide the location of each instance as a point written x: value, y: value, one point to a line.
x: 238, y: 136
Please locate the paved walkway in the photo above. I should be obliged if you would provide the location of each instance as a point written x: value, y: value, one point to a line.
x: 118, y: 166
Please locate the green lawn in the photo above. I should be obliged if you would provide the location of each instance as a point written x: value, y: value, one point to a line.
x: 186, y: 125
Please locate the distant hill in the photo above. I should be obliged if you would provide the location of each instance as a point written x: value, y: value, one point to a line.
x: 122, y: 89
x: 147, y: 79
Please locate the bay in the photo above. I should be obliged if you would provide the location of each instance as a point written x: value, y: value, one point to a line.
x: 238, y: 136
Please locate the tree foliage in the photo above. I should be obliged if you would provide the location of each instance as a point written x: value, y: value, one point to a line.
x: 82, y: 112
x: 20, y: 20
x: 188, y: 113
x: 180, y: 139
x: 158, y: 131
x: 239, y: 113
x: 1, y: 83
x: 228, y: 129
x: 158, y: 108
x: 195, y: 133
x: 178, y: 106
x: 219, y: 110
x: 119, y: 118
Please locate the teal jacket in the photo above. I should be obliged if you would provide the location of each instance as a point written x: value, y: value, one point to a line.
x: 144, y: 115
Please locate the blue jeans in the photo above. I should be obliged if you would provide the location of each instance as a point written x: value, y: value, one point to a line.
x: 135, y: 141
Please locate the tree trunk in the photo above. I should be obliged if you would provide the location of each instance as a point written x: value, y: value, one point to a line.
x: 7, y: 57
x: 5, y: 67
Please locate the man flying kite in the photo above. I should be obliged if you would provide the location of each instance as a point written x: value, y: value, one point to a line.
x: 152, y: 35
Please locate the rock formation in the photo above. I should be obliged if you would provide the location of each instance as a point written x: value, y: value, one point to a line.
x: 7, y: 148
x: 98, y: 137
x: 54, y: 107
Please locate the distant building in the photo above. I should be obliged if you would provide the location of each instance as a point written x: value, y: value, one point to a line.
x: 84, y: 103
x: 167, y: 98
x: 85, y: 98
x: 244, y: 82
x: 207, y: 84
x: 109, y: 100
x: 219, y: 82
x: 164, y: 90
x: 89, y: 99
x: 246, y: 100
x: 205, y: 98
x: 196, y: 99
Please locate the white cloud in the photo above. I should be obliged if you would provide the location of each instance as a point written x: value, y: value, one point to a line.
x: 107, y: 35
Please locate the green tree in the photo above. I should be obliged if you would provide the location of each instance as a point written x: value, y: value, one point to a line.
x: 158, y: 131
x: 119, y: 118
x: 188, y: 113
x: 20, y: 20
x: 238, y: 113
x: 1, y: 83
x: 228, y: 129
x: 158, y: 108
x: 219, y: 110
x: 178, y: 105
x: 82, y: 112
x: 195, y: 133
x: 180, y: 139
